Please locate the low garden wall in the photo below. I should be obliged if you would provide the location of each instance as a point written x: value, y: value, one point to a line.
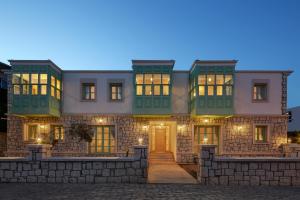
x: 246, y: 171
x: 40, y: 167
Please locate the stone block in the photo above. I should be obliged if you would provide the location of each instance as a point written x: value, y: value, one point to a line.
x: 254, y: 180
x: 125, y: 179
x: 253, y: 166
x: 260, y: 172
x: 245, y: 167
x: 229, y: 172
x: 120, y: 165
x: 114, y: 179
x: 111, y: 165
x: 223, y: 180
x: 274, y: 166
x: 97, y: 165
x: 59, y: 173
x: 77, y: 166
x: 8, y: 174
x: 75, y: 173
x: 130, y: 171
x: 26, y: 167
x: 106, y: 172
x: 52, y: 165
x: 285, y: 181
x: 265, y: 166
x: 38, y: 172
x: 31, y: 179
x: 89, y: 179
x: 41, y: 179
x: 4, y: 165
x: 52, y: 173
x: 120, y: 172
x: 291, y: 172
x: 100, y: 179
x: 81, y: 179
x: 61, y: 166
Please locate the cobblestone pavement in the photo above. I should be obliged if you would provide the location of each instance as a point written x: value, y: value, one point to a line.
x: 142, y: 191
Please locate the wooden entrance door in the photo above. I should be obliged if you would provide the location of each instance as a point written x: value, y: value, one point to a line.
x: 160, y: 139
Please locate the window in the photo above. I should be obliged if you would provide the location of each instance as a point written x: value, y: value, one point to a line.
x: 34, y: 90
x: 103, y: 140
x: 260, y: 92
x: 201, y: 90
x: 58, y: 132
x: 17, y: 89
x: 32, y: 132
x: 206, y: 135
x: 210, y: 90
x: 228, y: 79
x: 34, y: 78
x: 228, y: 90
x: 88, y: 91
x: 210, y: 79
x: 43, y: 89
x: 153, y: 84
x: 219, y: 90
x: 201, y: 79
x: 116, y: 91
x: 216, y: 84
x: 25, y: 84
x: 43, y: 78
x: 261, y: 132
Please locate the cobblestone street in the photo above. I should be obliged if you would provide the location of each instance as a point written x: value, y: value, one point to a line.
x: 142, y: 191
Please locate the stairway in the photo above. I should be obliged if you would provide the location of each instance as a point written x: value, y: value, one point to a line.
x: 161, y: 158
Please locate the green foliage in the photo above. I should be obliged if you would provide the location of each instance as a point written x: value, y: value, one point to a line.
x: 81, y: 131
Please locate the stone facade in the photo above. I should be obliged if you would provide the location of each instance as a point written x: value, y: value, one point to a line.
x: 246, y: 171
x: 36, y: 169
x: 236, y: 134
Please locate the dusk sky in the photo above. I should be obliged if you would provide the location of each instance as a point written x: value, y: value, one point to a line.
x: 100, y: 35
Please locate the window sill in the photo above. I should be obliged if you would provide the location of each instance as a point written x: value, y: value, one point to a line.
x: 259, y: 101
x: 84, y: 100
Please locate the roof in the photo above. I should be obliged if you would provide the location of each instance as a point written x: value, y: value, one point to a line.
x: 4, y: 66
x: 35, y: 62
x: 214, y: 63
x: 153, y: 62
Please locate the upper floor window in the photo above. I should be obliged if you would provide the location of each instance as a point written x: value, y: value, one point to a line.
x: 215, y: 84
x: 116, y: 91
x: 260, y: 92
x: 88, y: 91
x: 29, y: 83
x: 261, y: 133
x: 152, y: 84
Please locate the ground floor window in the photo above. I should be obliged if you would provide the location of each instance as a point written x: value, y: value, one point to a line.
x: 206, y: 135
x: 103, y: 140
x: 58, y: 132
x: 43, y: 132
x: 261, y: 132
x: 32, y: 132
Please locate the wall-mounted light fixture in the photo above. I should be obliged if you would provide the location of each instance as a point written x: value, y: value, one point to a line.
x: 39, y: 140
x: 100, y: 120
x: 205, y: 140
x: 206, y: 120
x: 140, y: 141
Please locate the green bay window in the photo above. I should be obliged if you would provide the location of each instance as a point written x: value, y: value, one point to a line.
x: 152, y: 84
x: 215, y: 85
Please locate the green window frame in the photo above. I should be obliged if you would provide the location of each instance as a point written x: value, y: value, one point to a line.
x: 206, y: 135
x: 104, y: 139
x: 57, y: 132
x: 152, y: 84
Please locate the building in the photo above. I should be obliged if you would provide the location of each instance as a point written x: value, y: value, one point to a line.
x: 294, y: 124
x: 3, y: 106
x: 243, y: 112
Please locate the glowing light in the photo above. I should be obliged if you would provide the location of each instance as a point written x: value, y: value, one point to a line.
x: 205, y: 120
x: 39, y: 140
x: 161, y: 124
x: 42, y: 126
x: 205, y: 140
x: 239, y: 128
x: 140, y: 141
x: 100, y: 120
x: 289, y: 140
x: 209, y: 79
x: 145, y: 127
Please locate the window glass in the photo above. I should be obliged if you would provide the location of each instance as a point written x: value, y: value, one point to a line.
x: 219, y: 79
x: 201, y: 79
x: 156, y: 78
x: 260, y: 91
x: 43, y: 78
x: 43, y: 89
x: 219, y: 90
x: 58, y: 132
x: 116, y: 91
x: 25, y: 78
x: 103, y: 140
x: 25, y: 89
x: 139, y: 78
x: 52, y: 81
x: 88, y: 91
x: 58, y: 94
x: 52, y: 91
x: 210, y: 90
x: 201, y: 90
x: 156, y: 89
x: 228, y: 79
x: 210, y: 79
x: 17, y: 89
x: 139, y: 90
x: 166, y: 78
x: 166, y: 90
x: 58, y: 84
x: 16, y: 78
x: 34, y: 90
x: 148, y: 90
x: 34, y: 78
x: 260, y: 134
x: 32, y: 132
x: 228, y: 90
x: 148, y: 78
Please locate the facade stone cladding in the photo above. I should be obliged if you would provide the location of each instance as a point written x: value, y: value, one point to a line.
x: 234, y: 141
x: 246, y: 171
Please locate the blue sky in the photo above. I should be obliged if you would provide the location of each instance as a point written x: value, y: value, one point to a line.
x: 99, y: 34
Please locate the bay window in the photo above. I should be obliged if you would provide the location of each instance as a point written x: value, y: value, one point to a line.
x: 152, y: 84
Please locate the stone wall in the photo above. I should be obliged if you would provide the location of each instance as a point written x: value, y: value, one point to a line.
x: 246, y: 171
x: 38, y: 169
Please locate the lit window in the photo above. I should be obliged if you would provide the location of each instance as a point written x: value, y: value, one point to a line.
x: 210, y: 90
x: 261, y: 134
x: 53, y: 81
x: 139, y: 79
x: 210, y: 79
x: 156, y: 78
x: 25, y: 78
x: 166, y: 90
x: 219, y: 79
x: 228, y: 90
x: 17, y: 89
x: 139, y: 90
x: 148, y: 90
x: 52, y: 91
x: 43, y: 78
x: 16, y: 78
x: 201, y: 90
x: 25, y: 89
x: 88, y: 91
x: 148, y: 79
x: 116, y: 91
x: 103, y: 140
x: 228, y: 79
x: 156, y: 90
x: 260, y: 92
x: 219, y: 90
x: 58, y: 132
x: 34, y: 90
x: 34, y: 78
x: 43, y: 89
x: 166, y: 79
x: 201, y: 80
x: 32, y: 132
x: 58, y: 84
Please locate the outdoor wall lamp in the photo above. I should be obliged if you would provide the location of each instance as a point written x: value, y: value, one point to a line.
x: 140, y: 141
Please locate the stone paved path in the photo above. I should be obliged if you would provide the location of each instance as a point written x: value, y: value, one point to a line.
x: 142, y: 191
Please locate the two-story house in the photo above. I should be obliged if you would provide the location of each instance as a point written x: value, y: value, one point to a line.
x: 242, y: 112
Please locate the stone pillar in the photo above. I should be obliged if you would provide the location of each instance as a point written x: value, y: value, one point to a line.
x: 206, y: 156
x: 140, y: 151
x: 38, y: 151
x: 141, y: 154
